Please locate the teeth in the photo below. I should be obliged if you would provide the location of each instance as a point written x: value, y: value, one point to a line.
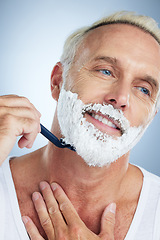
x: 103, y: 120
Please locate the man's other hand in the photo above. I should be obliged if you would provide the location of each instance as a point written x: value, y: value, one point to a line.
x: 60, y: 220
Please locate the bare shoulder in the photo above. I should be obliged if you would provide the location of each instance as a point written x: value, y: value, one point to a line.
x: 127, y: 205
x: 135, y: 171
x: 24, y: 168
x: 134, y: 183
x: 27, y: 159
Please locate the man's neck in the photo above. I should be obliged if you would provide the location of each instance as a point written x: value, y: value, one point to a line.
x: 78, y: 179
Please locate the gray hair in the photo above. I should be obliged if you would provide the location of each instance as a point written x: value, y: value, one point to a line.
x: 147, y: 24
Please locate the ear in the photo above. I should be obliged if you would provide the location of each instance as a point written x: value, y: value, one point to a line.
x: 56, y: 80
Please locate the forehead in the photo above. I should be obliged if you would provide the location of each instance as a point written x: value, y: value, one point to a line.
x: 120, y: 38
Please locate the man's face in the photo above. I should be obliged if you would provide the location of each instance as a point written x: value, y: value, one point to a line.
x: 119, y: 65
x: 113, y: 83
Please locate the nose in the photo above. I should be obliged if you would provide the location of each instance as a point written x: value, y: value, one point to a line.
x: 118, y: 97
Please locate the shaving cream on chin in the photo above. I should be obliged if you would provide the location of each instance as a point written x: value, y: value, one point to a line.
x: 96, y: 148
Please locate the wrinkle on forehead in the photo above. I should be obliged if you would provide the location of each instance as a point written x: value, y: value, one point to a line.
x: 97, y: 38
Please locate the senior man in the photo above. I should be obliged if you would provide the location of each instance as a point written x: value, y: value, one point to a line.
x: 107, y: 88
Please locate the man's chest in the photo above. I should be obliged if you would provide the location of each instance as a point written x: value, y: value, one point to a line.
x: 27, y: 209
x: 124, y: 218
x: 92, y: 219
x: 122, y: 224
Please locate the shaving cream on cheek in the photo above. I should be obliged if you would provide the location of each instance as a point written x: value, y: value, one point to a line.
x: 96, y: 148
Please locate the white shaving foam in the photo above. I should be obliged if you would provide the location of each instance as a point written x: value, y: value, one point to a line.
x: 95, y: 147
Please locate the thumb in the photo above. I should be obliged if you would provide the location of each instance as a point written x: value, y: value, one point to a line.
x: 108, y: 222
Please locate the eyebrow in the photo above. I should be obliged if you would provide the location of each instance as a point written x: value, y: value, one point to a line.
x: 114, y: 61
x: 111, y: 60
x: 152, y: 81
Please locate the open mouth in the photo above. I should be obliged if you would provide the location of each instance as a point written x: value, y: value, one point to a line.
x: 107, y: 120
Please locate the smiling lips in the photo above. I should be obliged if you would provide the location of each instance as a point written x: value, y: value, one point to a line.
x: 106, y: 120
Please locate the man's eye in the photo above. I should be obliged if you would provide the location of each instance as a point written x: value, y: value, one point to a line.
x: 106, y: 72
x: 144, y: 90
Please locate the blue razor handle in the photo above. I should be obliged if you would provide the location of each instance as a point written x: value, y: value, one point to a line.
x: 52, y: 138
